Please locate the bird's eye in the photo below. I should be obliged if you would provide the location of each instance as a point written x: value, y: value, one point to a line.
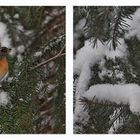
x: 4, y: 49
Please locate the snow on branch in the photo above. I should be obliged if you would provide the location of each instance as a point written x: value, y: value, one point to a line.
x: 86, y: 57
x: 120, y: 94
x: 4, y: 98
x: 4, y: 36
x: 134, y: 28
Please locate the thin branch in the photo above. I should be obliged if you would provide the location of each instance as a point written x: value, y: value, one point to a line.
x: 60, y: 54
x: 88, y: 103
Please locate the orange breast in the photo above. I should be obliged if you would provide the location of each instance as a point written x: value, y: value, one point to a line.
x: 3, y: 67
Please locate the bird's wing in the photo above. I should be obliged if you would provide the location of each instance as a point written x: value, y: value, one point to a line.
x: 3, y: 77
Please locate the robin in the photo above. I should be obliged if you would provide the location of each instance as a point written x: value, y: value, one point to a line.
x: 4, y: 68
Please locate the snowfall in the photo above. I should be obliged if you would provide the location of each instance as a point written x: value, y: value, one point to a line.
x: 87, y: 56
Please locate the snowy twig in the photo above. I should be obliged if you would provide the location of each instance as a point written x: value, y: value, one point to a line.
x: 117, y: 116
x: 103, y: 103
x: 60, y: 54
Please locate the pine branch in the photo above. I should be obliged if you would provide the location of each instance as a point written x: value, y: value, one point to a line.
x: 116, y: 30
x: 120, y: 24
x: 117, y: 116
x: 94, y: 101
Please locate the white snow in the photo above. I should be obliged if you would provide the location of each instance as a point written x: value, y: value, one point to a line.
x: 19, y: 57
x: 119, y: 74
x: 80, y: 25
x: 20, y: 27
x: 12, y: 52
x: 9, y: 79
x: 29, y: 32
x: 6, y: 16
x: 21, y: 99
x: 88, y: 55
x: 16, y: 16
x: 4, y: 36
x: 47, y: 19
x: 86, y: 58
x: 78, y: 32
x: 51, y: 87
x: 21, y: 49
x: 51, y: 64
x: 4, y: 98
x: 56, y: 12
x: 38, y: 54
x: 117, y: 123
x: 120, y: 51
x: 120, y: 94
x: 134, y: 29
x: 105, y: 72
x: 109, y: 73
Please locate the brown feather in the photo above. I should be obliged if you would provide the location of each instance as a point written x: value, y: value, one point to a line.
x: 3, y: 67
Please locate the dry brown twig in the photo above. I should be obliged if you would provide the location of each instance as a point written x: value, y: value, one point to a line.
x: 60, y: 54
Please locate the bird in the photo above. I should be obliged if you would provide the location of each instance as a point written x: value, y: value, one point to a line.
x: 4, y: 67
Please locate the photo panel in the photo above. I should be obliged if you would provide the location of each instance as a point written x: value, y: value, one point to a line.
x: 106, y: 70
x: 32, y: 70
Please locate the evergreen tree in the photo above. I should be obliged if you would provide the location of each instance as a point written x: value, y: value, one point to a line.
x: 36, y: 81
x: 108, y: 24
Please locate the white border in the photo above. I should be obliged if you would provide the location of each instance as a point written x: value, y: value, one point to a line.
x: 69, y: 65
x: 69, y: 69
x: 69, y: 2
x: 69, y: 137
